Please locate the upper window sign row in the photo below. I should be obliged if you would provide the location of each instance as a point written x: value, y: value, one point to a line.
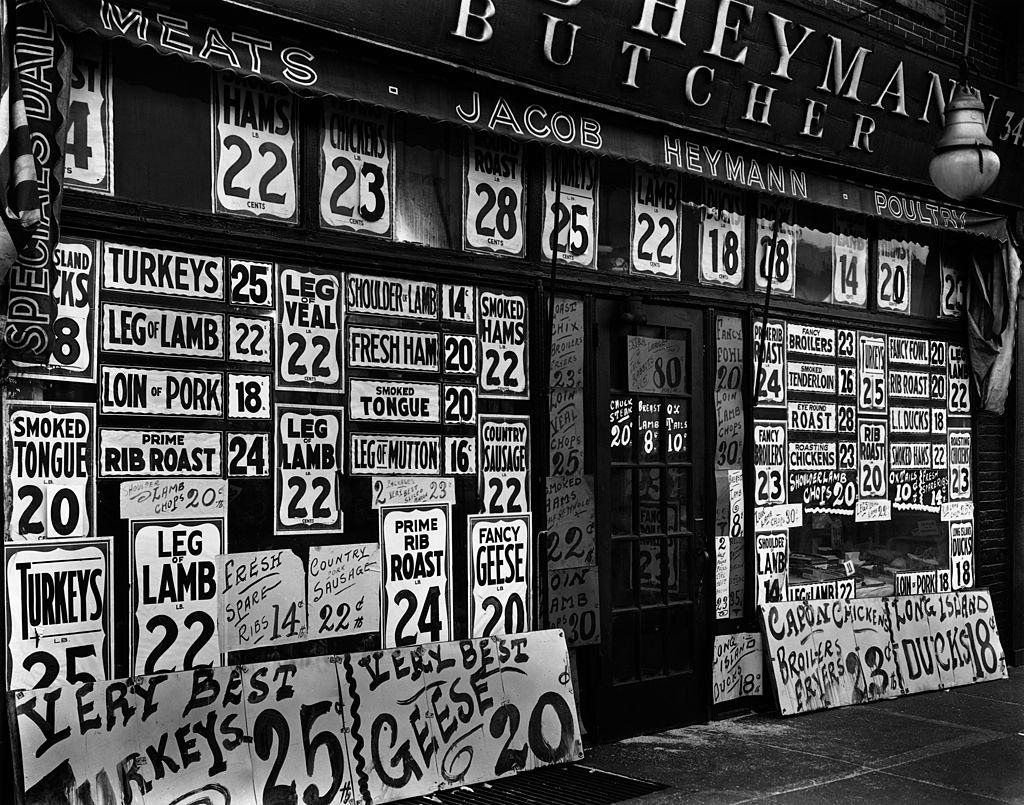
x: 657, y: 223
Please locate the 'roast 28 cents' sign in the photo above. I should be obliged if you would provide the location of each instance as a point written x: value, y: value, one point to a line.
x: 174, y: 594
x: 355, y: 168
x: 494, y: 195
x: 49, y: 456
x: 415, y: 559
x: 309, y: 327
x: 499, y: 574
x: 310, y: 447
x: 253, y: 149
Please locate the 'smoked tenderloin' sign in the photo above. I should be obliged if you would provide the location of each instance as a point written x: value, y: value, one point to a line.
x: 371, y: 727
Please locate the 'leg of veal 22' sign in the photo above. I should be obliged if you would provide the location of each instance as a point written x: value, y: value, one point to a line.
x: 370, y: 727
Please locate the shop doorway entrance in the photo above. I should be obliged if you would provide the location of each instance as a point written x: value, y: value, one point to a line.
x: 650, y: 516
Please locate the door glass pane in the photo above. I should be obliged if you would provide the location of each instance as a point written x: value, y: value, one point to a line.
x: 680, y: 640
x: 624, y: 634
x: 652, y: 643
x: 677, y: 500
x: 649, y: 429
x: 622, y: 500
x: 678, y: 568
x: 651, y: 520
x: 624, y: 562
x: 652, y: 571
x: 620, y: 423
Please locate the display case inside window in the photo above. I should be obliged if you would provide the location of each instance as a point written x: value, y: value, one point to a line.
x: 831, y: 257
x: 427, y: 200
x: 908, y: 271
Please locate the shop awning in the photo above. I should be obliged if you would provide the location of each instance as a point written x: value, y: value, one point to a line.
x: 310, y: 60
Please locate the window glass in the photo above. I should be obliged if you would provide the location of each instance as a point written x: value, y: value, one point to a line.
x: 814, y: 234
x: 427, y: 199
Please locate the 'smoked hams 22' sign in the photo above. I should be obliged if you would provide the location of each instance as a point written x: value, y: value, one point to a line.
x: 234, y: 734
x: 58, y: 612
x: 49, y: 460
x: 503, y: 330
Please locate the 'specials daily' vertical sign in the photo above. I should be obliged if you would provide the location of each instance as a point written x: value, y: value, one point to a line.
x: 49, y: 455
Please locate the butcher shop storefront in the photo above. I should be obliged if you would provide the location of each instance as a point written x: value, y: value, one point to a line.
x: 395, y: 399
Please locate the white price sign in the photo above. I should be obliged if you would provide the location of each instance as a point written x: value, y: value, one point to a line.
x: 356, y: 178
x: 960, y: 486
x: 248, y: 396
x: 953, y: 288
x: 49, y: 459
x: 253, y: 149
x: 655, y: 233
x: 850, y: 268
x: 872, y: 446
x: 499, y: 574
x: 310, y: 451
x: 872, y: 394
x: 570, y: 212
x: 779, y: 265
x: 505, y: 463
x: 309, y: 330
x: 721, y: 238
x: 958, y: 382
x: 770, y: 384
x: 769, y: 463
x: 894, y: 275
x: 494, y: 193
x: 88, y: 157
x: 503, y: 329
x: 174, y: 594
x: 248, y: 455
x: 415, y: 561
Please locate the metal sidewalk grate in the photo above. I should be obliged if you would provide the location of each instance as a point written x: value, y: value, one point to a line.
x: 573, y: 784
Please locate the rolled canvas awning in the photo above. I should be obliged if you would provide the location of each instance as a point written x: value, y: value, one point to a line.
x: 309, y: 60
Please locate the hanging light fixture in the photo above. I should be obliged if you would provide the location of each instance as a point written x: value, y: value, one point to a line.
x: 964, y: 165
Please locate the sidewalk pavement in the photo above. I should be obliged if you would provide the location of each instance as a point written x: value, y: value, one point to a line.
x: 961, y: 746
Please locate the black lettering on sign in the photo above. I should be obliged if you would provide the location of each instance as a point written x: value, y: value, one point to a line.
x: 153, y: 331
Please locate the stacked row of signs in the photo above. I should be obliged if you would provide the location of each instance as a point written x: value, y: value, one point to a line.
x: 858, y: 424
x: 285, y: 380
x: 256, y: 173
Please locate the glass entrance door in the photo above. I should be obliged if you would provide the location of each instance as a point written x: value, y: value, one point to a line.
x: 650, y: 517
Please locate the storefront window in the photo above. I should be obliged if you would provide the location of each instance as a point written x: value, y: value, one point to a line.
x: 425, y: 208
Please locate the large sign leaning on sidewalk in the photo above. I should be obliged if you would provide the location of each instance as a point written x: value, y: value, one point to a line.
x: 825, y: 654
x: 374, y: 727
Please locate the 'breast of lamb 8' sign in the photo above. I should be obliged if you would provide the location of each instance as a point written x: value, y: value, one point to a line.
x: 49, y: 456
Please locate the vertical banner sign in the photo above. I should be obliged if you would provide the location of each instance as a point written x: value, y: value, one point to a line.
x: 494, y: 195
x: 503, y: 331
x: 893, y: 275
x: 254, y: 154
x: 769, y: 463
x: 961, y: 554
x: 505, y: 464
x: 960, y: 487
x: 174, y: 594
x: 356, y: 177
x: 58, y: 613
x: 261, y: 601
x: 783, y: 262
x: 570, y: 212
x: 499, y: 574
x: 654, y: 230
x: 49, y: 458
x: 309, y: 330
x: 88, y: 158
x: 729, y: 519
x: 77, y: 315
x: 771, y: 551
x: 850, y: 265
x: 415, y: 553
x: 310, y: 453
x: 952, y: 287
x: 958, y: 382
x: 770, y: 383
x: 343, y: 590
x: 872, y: 388
x: 722, y: 235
